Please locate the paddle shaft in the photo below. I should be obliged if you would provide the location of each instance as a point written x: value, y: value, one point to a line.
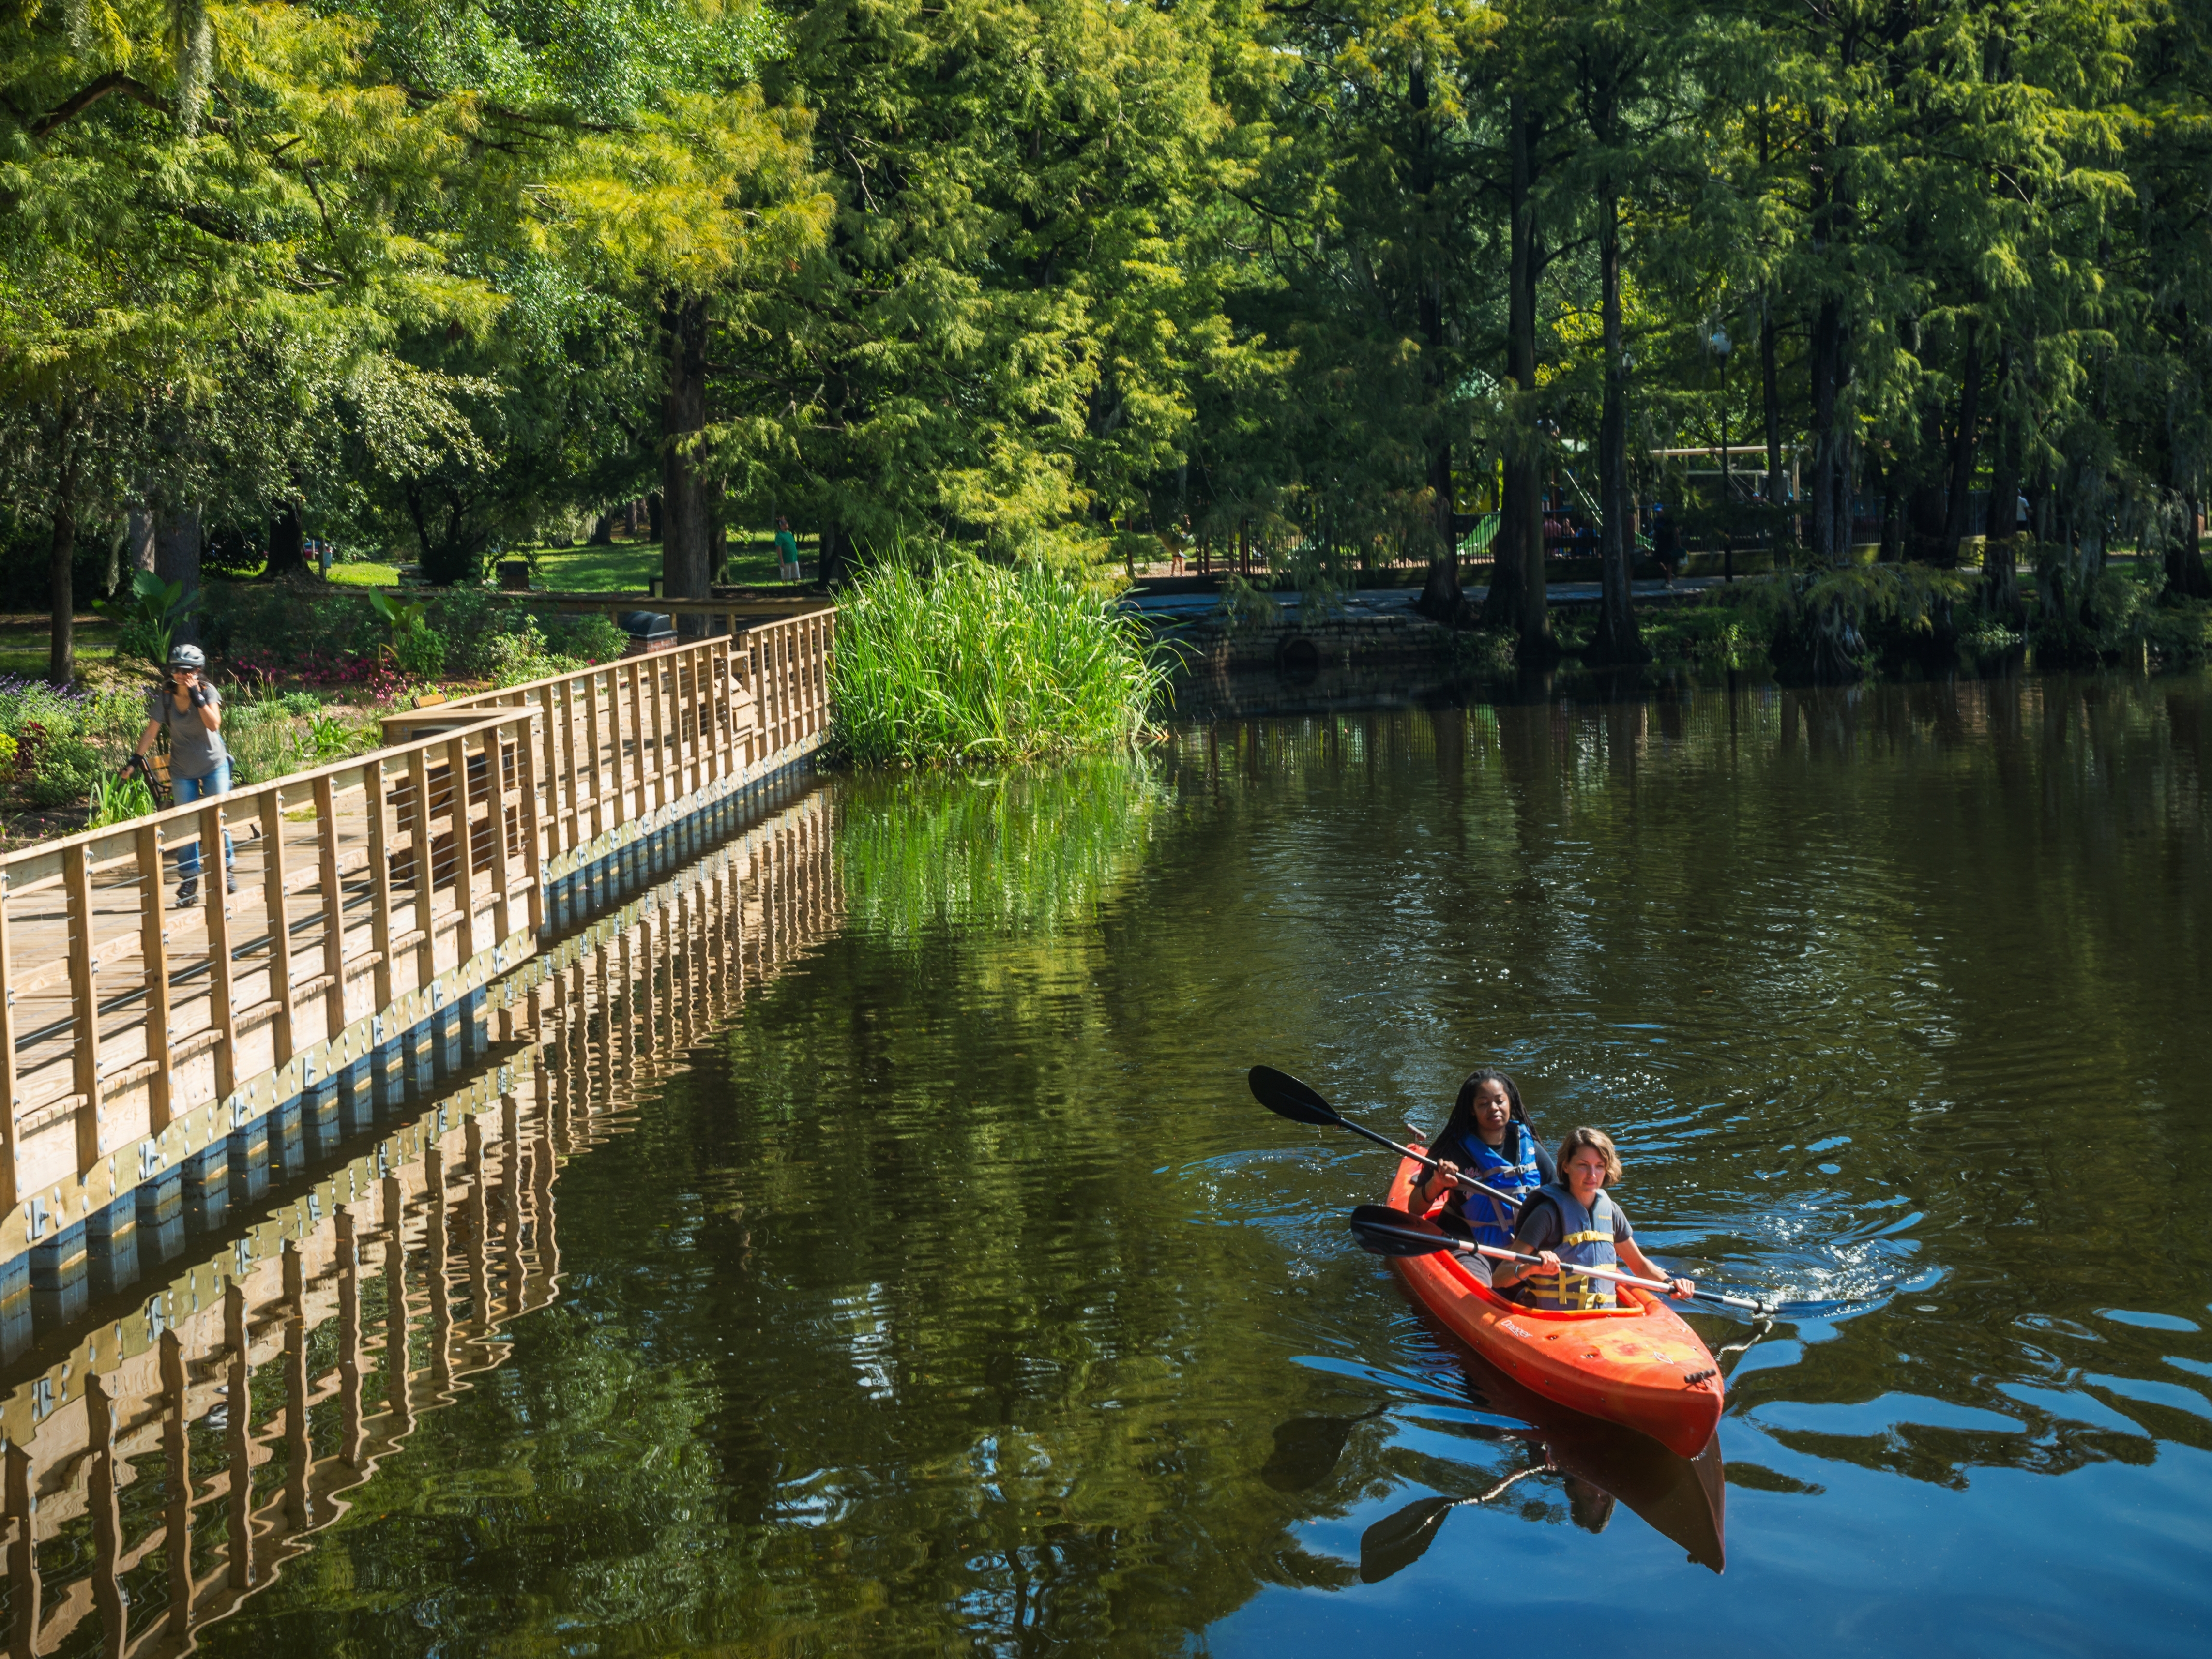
x: 1460, y: 1247
x: 1461, y: 1179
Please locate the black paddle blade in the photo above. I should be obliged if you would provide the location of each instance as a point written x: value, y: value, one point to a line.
x: 1382, y: 1230
x: 1284, y: 1096
x: 1396, y: 1541
x: 1306, y: 1451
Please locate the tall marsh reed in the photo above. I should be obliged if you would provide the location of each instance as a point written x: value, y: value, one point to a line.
x: 979, y: 662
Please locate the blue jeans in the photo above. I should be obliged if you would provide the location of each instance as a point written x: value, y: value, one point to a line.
x: 216, y: 783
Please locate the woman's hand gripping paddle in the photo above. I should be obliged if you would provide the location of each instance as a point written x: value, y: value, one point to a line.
x: 1284, y: 1096
x: 1385, y: 1232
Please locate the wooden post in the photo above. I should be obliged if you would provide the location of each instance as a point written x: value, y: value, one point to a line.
x: 533, y: 857
x: 591, y: 741
x: 280, y: 932
x: 222, y: 967
x: 510, y: 1134
x: 659, y: 699
x: 633, y: 692
x: 464, y: 873
x: 84, y: 1002
x: 434, y: 1271
x: 379, y: 877
x: 347, y: 1251
x: 396, y: 1398
x: 479, y: 1222
x: 549, y: 700
x: 22, y: 1557
x: 177, y: 1512
x: 238, y: 1413
x: 326, y: 854
x: 571, y: 816
x: 495, y: 816
x: 299, y: 1456
x: 426, y: 951
x: 106, y: 1524
x: 11, y: 1152
x: 154, y: 948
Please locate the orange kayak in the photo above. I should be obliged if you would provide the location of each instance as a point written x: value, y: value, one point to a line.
x: 1637, y: 1365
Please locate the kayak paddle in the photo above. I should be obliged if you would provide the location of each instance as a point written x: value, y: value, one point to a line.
x: 1286, y: 1097
x: 1386, y: 1231
x: 1396, y: 1541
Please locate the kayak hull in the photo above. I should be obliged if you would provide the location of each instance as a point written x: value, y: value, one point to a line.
x: 1638, y: 1364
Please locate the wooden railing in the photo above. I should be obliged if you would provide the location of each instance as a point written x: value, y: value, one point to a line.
x: 257, y: 1389
x: 139, y: 1035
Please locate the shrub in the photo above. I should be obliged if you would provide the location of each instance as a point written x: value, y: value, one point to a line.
x: 983, y: 662
x: 420, y: 652
x: 593, y: 638
x: 64, y: 770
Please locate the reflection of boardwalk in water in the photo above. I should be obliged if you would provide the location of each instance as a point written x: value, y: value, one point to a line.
x: 239, y: 1405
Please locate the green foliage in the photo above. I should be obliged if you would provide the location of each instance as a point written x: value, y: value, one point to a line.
x: 1822, y: 625
x: 271, y: 736
x: 588, y: 639
x: 420, y: 652
x: 978, y: 662
x: 118, y: 799
x: 1247, y: 609
x: 64, y: 771
x: 149, y: 627
x: 1028, y: 853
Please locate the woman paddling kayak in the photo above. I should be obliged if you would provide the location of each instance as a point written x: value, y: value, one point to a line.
x: 1573, y: 1222
x: 1487, y: 1136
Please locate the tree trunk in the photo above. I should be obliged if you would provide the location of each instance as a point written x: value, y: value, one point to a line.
x: 652, y: 517
x: 138, y: 540
x: 61, y: 555
x: 1830, y: 357
x: 2001, y: 524
x: 287, y: 544
x: 1616, y: 639
x: 1957, y: 515
x: 177, y: 559
x: 684, y: 571
x: 1440, y: 593
x: 1770, y: 376
x: 2186, y: 575
x: 834, y: 566
x: 1516, y: 598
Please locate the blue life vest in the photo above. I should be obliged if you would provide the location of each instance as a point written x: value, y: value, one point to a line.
x: 1510, y: 1167
x: 1586, y: 1242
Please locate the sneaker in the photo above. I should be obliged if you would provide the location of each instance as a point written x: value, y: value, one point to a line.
x: 188, y: 892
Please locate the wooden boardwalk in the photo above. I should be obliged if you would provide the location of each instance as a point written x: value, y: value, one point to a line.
x: 144, y: 1044
x: 441, y: 1230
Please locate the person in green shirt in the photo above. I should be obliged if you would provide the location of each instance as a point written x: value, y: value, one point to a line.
x: 787, y: 550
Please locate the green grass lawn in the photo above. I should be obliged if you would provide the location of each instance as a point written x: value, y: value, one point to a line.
x: 24, y: 642
x: 619, y: 567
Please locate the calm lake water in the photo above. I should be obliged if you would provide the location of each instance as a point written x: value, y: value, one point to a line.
x: 959, y: 1297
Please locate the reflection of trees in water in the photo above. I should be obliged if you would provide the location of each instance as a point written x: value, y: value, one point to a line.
x: 1022, y: 852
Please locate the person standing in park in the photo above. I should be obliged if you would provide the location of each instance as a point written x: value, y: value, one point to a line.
x: 190, y: 711
x: 787, y: 551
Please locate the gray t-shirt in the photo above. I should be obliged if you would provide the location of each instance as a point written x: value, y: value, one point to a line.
x: 194, y: 751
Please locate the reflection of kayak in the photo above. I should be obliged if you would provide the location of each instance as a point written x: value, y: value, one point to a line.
x: 1637, y: 1365
x: 1681, y: 1499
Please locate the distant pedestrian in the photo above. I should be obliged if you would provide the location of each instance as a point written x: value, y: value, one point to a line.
x: 190, y: 711
x: 787, y: 550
